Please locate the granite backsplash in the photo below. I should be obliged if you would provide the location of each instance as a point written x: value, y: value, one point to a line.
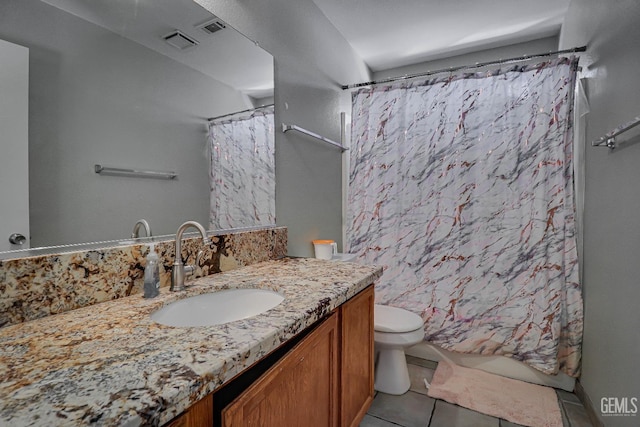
x: 38, y: 286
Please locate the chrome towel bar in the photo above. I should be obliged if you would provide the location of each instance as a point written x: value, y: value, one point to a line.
x: 139, y: 173
x: 609, y: 140
x: 286, y: 128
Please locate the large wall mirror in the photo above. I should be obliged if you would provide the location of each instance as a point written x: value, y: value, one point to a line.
x: 108, y: 84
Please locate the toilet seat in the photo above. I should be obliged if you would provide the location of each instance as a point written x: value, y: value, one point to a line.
x: 395, y: 320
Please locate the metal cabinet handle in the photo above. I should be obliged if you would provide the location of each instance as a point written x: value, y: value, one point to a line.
x: 17, y: 239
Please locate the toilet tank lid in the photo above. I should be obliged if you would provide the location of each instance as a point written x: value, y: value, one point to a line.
x: 393, y: 319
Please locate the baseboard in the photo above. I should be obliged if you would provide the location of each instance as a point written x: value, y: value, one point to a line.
x: 588, y: 405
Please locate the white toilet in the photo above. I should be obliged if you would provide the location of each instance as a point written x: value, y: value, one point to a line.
x: 395, y: 330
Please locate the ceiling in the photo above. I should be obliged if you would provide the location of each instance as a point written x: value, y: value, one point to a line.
x: 225, y: 55
x: 385, y: 33
x: 394, y: 33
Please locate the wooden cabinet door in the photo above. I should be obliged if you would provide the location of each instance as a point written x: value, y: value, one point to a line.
x: 200, y: 414
x: 356, y: 318
x: 301, y: 389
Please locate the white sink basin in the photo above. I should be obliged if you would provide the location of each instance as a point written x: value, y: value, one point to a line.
x: 217, y: 308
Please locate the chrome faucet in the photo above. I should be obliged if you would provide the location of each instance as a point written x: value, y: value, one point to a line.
x: 136, y: 228
x: 180, y: 271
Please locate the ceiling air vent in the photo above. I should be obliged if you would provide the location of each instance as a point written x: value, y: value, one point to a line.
x: 212, y: 26
x: 180, y: 40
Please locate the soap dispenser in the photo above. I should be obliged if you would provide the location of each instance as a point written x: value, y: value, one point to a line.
x: 151, y: 274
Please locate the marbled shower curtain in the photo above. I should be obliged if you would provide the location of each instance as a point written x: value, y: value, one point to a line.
x: 462, y: 188
x: 242, y: 171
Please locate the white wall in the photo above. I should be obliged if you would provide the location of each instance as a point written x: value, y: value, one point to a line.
x: 312, y: 60
x: 98, y: 98
x: 547, y: 44
x: 611, y: 286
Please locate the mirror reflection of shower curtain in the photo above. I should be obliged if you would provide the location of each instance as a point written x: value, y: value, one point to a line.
x: 242, y: 171
x: 462, y: 188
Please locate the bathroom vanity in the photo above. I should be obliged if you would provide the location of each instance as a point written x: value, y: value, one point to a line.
x: 325, y: 379
x: 307, y: 361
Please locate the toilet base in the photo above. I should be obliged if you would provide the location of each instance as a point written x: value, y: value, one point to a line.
x: 391, y: 373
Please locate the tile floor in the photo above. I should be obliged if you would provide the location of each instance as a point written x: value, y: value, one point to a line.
x: 416, y: 409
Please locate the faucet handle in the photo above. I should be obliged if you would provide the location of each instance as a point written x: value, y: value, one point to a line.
x: 197, y: 267
x: 194, y: 269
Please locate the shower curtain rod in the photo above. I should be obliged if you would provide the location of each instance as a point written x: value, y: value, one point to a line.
x: 239, y: 112
x: 464, y: 67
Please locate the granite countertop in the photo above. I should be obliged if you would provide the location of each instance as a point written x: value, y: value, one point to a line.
x: 110, y: 364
